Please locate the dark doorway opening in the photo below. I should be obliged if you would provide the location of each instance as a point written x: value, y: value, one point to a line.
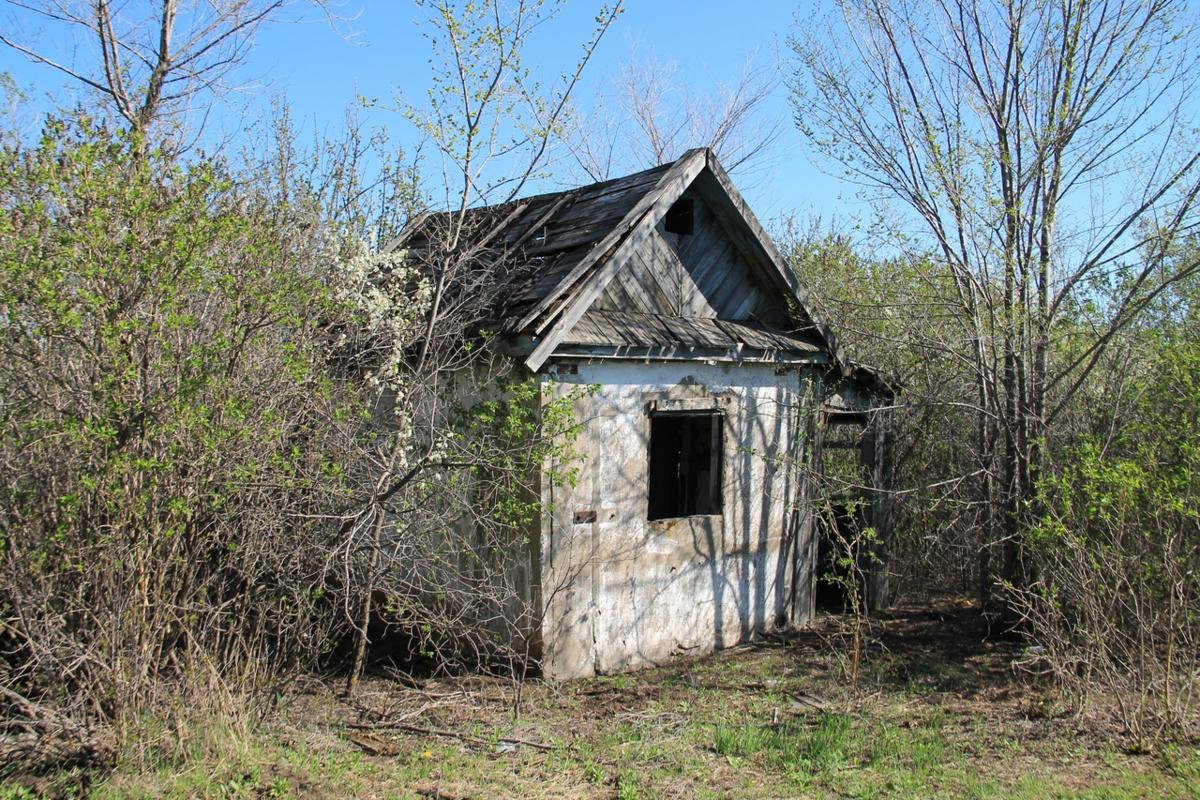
x: 685, y: 465
x: 840, y: 577
x: 837, y: 557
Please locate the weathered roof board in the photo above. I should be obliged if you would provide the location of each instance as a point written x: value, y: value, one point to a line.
x: 598, y: 269
x: 554, y: 232
x: 602, y: 328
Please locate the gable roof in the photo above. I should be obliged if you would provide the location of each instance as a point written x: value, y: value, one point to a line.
x: 572, y: 244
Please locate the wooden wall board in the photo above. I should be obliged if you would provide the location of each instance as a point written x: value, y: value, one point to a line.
x: 658, y: 263
x: 656, y: 276
x: 639, y: 300
x: 590, y: 277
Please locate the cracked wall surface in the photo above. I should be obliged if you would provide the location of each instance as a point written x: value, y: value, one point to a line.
x: 622, y: 592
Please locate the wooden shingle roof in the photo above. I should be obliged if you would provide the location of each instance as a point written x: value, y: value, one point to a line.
x: 565, y: 280
x: 550, y: 234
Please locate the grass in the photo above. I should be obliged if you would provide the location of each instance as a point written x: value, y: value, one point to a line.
x: 813, y: 749
x: 715, y: 727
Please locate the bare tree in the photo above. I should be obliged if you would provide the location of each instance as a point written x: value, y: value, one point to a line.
x: 490, y: 119
x: 456, y: 450
x: 652, y: 115
x: 1037, y: 149
x: 146, y: 60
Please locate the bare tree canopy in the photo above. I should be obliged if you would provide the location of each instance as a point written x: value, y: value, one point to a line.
x: 488, y: 116
x: 146, y: 60
x: 1038, y: 149
x: 650, y: 115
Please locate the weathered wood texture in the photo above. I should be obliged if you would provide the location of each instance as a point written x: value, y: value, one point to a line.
x: 589, y: 288
x: 591, y: 276
x: 551, y: 236
x: 558, y: 257
x: 621, y: 591
x: 614, y: 328
x: 703, y: 274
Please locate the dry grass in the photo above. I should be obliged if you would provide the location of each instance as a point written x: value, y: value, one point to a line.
x: 936, y: 712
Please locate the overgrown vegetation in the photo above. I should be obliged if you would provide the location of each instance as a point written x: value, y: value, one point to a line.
x: 214, y: 457
x: 945, y: 716
x: 236, y: 437
x: 1037, y: 321
x: 1117, y: 603
x: 238, y: 442
x: 169, y: 435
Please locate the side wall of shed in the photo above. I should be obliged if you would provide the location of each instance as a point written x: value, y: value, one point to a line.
x: 477, y: 576
x: 623, y: 592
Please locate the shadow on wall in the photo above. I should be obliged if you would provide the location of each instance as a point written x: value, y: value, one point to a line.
x: 639, y: 589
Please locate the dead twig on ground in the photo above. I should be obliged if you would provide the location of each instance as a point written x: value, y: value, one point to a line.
x: 374, y: 745
x: 441, y: 794
x: 404, y: 726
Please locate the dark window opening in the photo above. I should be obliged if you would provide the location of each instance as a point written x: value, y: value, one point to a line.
x: 685, y: 465
x: 679, y: 218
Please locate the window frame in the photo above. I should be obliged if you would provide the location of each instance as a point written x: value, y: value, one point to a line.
x: 674, y: 491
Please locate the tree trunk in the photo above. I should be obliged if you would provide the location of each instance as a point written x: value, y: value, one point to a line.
x: 360, y: 639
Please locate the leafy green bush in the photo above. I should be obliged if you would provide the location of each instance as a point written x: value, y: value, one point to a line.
x: 165, y: 431
x: 1116, y: 609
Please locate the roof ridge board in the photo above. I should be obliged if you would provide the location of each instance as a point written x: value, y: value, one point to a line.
x: 600, y: 193
x: 418, y: 221
x: 633, y: 178
x: 584, y: 192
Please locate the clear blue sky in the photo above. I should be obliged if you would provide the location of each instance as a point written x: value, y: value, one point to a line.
x: 321, y: 73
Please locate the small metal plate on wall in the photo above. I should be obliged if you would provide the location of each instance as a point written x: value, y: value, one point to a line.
x: 585, y: 516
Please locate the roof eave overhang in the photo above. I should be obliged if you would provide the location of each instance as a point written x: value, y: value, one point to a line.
x: 522, y: 345
x: 730, y: 355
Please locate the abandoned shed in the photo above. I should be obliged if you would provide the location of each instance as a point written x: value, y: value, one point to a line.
x: 690, y: 526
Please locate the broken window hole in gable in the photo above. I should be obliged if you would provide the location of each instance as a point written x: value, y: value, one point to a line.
x: 685, y: 465
x: 680, y: 217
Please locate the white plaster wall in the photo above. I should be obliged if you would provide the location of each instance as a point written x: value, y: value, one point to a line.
x: 624, y: 593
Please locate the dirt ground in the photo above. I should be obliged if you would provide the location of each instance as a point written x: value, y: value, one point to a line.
x: 935, y: 704
x: 932, y: 676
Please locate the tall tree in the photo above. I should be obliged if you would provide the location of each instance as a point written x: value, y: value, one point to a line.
x: 1036, y: 148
